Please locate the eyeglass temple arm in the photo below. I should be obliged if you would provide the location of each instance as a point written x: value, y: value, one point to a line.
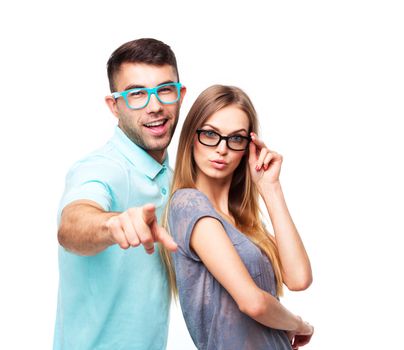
x: 116, y: 94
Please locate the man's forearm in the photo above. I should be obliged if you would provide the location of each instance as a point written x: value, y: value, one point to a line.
x: 83, y: 228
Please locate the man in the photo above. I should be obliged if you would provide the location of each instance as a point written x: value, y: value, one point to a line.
x: 111, y: 296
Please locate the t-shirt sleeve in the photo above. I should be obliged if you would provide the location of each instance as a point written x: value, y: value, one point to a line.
x: 186, y: 207
x: 90, y: 179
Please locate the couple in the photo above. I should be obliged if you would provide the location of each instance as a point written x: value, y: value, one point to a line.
x: 214, y: 251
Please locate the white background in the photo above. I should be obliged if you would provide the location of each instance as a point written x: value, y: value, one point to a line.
x: 327, y: 80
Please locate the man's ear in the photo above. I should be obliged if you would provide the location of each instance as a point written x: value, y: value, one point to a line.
x: 183, y: 91
x: 111, y: 103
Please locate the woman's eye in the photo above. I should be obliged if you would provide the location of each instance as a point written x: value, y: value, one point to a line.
x: 210, y: 134
x: 236, y: 138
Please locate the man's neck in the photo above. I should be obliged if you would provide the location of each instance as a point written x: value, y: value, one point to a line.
x: 159, y: 156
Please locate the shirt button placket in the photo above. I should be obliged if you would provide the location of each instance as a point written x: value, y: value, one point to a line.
x: 162, y: 171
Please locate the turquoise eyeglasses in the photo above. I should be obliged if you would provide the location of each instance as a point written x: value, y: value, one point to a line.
x: 138, y: 98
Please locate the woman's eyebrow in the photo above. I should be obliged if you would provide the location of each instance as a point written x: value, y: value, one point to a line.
x: 218, y: 130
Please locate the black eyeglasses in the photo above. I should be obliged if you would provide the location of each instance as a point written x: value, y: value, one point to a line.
x: 211, y: 138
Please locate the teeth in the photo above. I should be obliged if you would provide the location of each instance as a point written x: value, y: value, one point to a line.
x: 158, y: 123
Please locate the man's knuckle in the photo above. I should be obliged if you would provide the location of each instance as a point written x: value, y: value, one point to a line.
x: 147, y: 240
x: 132, y: 212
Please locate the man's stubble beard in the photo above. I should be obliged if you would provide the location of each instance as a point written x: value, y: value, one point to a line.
x: 136, y: 138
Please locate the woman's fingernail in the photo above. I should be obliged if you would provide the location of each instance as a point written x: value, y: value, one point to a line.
x: 257, y: 168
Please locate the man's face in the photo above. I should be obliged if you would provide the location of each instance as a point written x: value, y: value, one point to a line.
x: 153, y: 126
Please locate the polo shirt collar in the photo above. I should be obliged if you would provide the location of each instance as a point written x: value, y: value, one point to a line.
x: 142, y: 161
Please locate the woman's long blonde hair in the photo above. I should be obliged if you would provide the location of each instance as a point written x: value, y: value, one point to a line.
x: 243, y: 194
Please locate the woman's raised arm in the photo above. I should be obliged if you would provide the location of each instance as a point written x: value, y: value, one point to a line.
x: 265, y: 166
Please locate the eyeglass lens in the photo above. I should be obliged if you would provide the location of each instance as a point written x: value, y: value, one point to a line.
x: 211, y: 138
x: 137, y: 98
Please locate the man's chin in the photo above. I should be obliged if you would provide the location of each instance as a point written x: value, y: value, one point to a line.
x: 157, y: 146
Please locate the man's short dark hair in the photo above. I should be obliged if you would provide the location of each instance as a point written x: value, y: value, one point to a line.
x: 146, y: 50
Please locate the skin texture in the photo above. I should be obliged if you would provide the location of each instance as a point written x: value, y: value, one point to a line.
x: 265, y: 166
x: 85, y: 228
x: 213, y: 246
x: 210, y: 177
x: 132, y: 122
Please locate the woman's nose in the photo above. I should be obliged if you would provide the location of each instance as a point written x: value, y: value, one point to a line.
x: 222, y: 147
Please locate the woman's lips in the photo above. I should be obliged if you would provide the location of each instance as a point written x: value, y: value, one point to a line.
x: 218, y: 164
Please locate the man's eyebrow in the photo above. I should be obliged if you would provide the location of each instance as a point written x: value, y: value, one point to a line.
x: 167, y: 82
x: 133, y: 86
x: 137, y: 86
x: 233, y: 132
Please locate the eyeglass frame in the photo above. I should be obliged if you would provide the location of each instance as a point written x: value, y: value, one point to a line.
x: 226, y: 138
x: 150, y: 91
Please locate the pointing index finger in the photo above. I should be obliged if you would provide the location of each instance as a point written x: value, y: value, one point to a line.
x: 162, y: 236
x: 149, y: 213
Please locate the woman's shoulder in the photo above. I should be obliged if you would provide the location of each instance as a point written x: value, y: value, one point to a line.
x: 188, y: 193
x: 189, y: 198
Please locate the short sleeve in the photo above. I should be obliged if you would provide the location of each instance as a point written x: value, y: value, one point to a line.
x: 186, y: 207
x: 90, y: 179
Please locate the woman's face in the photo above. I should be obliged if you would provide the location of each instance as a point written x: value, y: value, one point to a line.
x: 219, y: 162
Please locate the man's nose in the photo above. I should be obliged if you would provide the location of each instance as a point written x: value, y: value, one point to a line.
x: 154, y: 104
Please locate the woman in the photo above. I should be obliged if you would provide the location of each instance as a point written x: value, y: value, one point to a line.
x: 229, y: 270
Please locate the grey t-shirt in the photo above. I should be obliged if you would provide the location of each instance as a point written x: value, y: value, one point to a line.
x: 211, y: 314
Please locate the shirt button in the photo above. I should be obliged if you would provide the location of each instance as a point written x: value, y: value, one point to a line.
x: 163, y: 191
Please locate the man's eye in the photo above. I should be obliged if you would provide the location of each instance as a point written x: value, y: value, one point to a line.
x: 136, y: 93
x: 166, y: 89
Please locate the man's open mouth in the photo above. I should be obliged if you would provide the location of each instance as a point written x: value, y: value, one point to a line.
x: 156, y: 123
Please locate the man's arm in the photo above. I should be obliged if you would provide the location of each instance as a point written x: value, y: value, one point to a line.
x: 86, y: 229
x: 83, y: 228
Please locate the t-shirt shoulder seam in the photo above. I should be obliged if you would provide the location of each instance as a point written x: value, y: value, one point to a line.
x: 95, y: 156
x: 190, y: 190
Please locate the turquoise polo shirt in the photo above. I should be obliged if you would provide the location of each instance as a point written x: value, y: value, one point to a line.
x: 117, y: 299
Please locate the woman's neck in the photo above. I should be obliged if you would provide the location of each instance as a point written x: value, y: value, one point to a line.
x: 217, y: 192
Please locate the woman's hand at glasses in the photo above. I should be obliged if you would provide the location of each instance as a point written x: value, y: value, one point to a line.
x: 265, y: 165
